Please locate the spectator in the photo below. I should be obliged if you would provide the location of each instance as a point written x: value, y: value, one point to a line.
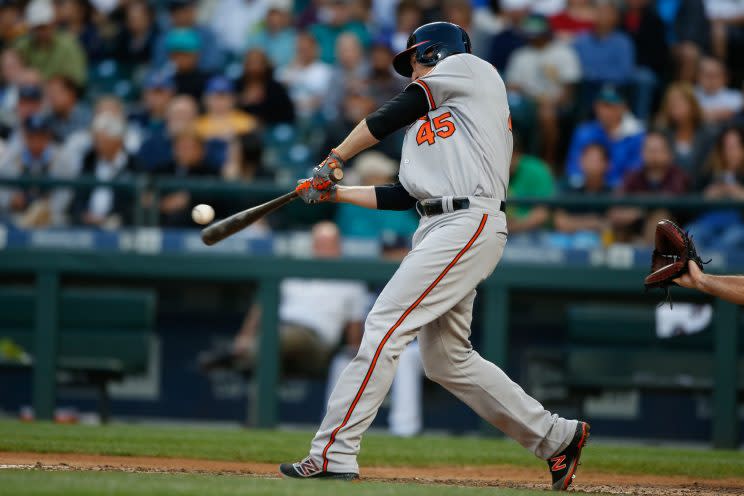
x: 407, y: 19
x: 260, y: 94
x: 35, y: 156
x: 616, y: 129
x: 158, y: 91
x: 719, y: 103
x: 460, y: 12
x: 723, y: 175
x: 644, y: 26
x: 68, y: 114
x: 529, y: 177
x: 189, y: 160
x: 245, y: 160
x: 307, y: 78
x: 182, y: 14
x: 12, y: 71
x: 383, y: 83
x: 723, y: 179
x: 511, y: 37
x: 545, y: 72
x: 681, y: 119
x: 349, y: 74
x: 233, y: 20
x: 137, y: 39
x: 277, y: 37
x: 691, y: 34
x: 577, y: 18
x: 30, y: 102
x: 606, y: 54
x: 658, y: 175
x: 76, y: 18
x: 311, y: 325
x: 183, y: 47
x: 222, y: 121
x: 594, y: 162
x: 50, y: 51
x: 337, y: 20
x: 107, y: 160
x: 548, y: 8
x: 646, y: 30
x: 727, y: 26
x: 374, y: 169
x: 11, y: 23
x: 155, y: 154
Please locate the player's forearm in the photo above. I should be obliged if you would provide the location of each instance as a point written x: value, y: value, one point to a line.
x: 358, y: 140
x: 729, y: 288
x: 363, y: 196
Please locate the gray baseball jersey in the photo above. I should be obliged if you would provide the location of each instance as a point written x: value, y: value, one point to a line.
x: 464, y: 144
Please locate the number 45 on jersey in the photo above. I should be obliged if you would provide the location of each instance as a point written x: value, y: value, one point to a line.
x: 437, y: 126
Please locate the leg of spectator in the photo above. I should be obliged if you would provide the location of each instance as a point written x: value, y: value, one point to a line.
x: 549, y: 131
x: 405, y: 394
x: 719, y: 39
x: 688, y: 56
x: 645, y: 82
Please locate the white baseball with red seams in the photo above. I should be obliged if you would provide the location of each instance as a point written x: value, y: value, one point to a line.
x: 461, y: 148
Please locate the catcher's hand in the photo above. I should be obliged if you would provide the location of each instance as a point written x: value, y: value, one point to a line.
x: 674, y: 254
x: 328, y: 171
x: 694, y: 277
x: 310, y: 194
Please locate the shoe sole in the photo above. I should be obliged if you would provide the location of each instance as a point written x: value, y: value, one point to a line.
x: 574, y: 467
x: 341, y: 477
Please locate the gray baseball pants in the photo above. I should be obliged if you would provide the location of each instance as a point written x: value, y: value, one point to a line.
x: 431, y: 296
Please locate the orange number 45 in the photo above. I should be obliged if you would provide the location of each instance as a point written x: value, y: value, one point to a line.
x: 442, y: 128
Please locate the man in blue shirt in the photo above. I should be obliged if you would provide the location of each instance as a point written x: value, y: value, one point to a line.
x: 606, y: 54
x: 616, y: 129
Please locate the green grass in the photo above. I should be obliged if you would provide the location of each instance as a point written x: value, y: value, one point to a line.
x: 40, y: 483
x: 377, y: 450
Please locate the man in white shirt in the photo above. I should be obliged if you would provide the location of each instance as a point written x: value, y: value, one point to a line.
x: 314, y: 316
x: 719, y: 103
x: 307, y: 78
x: 544, y: 71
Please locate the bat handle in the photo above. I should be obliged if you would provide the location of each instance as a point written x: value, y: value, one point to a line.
x: 336, y: 175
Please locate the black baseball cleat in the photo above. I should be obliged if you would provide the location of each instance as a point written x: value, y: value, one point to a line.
x: 308, y: 469
x: 564, y: 464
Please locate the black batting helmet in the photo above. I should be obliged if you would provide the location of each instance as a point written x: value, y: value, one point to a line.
x: 432, y: 43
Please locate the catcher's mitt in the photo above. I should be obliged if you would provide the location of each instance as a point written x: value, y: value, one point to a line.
x: 674, y: 249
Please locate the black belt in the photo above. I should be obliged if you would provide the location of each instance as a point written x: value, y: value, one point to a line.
x: 436, y: 206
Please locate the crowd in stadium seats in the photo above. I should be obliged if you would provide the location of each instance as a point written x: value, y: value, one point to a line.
x: 607, y: 97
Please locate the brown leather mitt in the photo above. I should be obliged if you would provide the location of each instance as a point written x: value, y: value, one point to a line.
x: 674, y: 248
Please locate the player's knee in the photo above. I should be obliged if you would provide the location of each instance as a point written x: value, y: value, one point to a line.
x: 434, y: 369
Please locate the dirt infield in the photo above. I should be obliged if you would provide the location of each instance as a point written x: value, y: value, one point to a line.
x: 494, y: 475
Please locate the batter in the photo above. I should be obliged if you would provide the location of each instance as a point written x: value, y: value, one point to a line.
x: 454, y: 170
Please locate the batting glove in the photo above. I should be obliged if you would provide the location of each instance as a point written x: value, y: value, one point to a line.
x: 312, y: 195
x: 322, y: 173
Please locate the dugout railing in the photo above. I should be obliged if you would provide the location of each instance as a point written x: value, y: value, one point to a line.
x: 244, y: 195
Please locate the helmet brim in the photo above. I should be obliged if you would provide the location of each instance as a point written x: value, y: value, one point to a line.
x: 402, y: 62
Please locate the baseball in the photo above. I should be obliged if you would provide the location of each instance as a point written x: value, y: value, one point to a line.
x: 202, y: 214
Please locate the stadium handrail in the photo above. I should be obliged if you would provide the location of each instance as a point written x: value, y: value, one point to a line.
x: 261, y: 191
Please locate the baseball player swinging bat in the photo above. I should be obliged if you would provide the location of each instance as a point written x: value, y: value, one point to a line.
x: 225, y: 228
x: 454, y: 169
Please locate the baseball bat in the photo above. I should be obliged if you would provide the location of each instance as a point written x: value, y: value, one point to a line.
x: 239, y: 221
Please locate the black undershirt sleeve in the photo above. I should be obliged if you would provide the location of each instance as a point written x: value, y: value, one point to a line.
x: 402, y: 110
x: 393, y: 197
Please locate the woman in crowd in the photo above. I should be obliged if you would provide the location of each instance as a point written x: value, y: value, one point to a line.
x: 723, y: 179
x: 261, y: 95
x: 681, y: 119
